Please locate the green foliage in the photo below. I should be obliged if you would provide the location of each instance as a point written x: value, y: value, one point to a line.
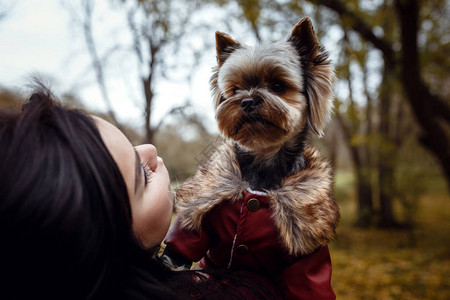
x: 434, y: 43
x: 251, y: 10
x: 416, y: 173
x: 343, y: 191
x: 183, y: 149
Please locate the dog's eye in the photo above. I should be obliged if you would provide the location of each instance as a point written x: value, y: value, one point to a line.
x: 278, y: 87
x: 235, y: 90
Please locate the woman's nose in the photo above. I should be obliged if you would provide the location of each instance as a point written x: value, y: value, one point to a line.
x: 148, y: 154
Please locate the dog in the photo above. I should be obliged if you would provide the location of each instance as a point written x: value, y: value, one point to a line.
x: 263, y: 201
x: 267, y: 99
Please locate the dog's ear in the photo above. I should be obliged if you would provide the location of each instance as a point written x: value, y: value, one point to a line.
x: 225, y: 45
x: 318, y: 74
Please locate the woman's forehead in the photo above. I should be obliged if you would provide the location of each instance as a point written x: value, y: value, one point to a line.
x: 121, y: 150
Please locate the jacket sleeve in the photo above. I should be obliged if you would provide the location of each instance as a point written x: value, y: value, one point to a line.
x: 309, y: 277
x: 192, y: 245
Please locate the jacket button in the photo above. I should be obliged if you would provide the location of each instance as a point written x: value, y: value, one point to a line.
x: 241, y: 249
x: 253, y: 204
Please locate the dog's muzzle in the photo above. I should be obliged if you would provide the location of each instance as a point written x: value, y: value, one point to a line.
x: 249, y: 104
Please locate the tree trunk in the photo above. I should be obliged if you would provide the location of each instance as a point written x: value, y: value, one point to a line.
x: 149, y: 131
x: 386, y: 152
x: 362, y: 172
x: 430, y: 111
x: 365, y: 199
x: 97, y: 63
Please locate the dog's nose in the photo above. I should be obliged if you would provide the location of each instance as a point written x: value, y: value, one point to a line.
x: 248, y: 104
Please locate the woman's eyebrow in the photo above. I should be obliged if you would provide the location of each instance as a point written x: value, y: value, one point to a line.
x: 138, y: 177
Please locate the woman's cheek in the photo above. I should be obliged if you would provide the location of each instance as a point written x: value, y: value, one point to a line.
x: 157, y: 217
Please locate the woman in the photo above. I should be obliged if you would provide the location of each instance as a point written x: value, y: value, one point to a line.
x: 82, y: 212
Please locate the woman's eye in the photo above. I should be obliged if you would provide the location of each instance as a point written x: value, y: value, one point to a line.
x: 278, y: 87
x: 146, y: 170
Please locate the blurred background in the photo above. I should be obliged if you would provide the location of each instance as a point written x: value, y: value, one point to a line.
x: 145, y: 66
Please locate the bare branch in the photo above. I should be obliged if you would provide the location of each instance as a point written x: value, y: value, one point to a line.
x: 96, y: 61
x: 182, y: 111
x: 357, y: 23
x: 135, y: 33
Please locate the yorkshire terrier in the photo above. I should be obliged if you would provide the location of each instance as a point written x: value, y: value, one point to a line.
x: 264, y: 199
x: 268, y: 98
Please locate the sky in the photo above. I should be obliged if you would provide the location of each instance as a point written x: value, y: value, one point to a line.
x: 33, y: 37
x: 40, y: 37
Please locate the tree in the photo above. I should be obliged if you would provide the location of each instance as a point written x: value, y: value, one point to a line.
x: 378, y: 30
x: 402, y: 66
x: 155, y: 26
x: 357, y: 130
x: 97, y: 63
x: 156, y: 29
x: 431, y: 112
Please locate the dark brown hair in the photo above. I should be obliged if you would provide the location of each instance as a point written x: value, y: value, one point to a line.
x: 65, y: 218
x: 64, y: 210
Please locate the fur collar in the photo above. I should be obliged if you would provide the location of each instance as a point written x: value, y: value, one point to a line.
x: 303, y: 208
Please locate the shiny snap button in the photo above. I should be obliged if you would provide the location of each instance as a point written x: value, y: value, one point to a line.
x: 253, y: 204
x: 241, y: 249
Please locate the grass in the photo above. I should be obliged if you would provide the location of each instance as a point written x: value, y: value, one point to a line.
x: 398, y: 264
